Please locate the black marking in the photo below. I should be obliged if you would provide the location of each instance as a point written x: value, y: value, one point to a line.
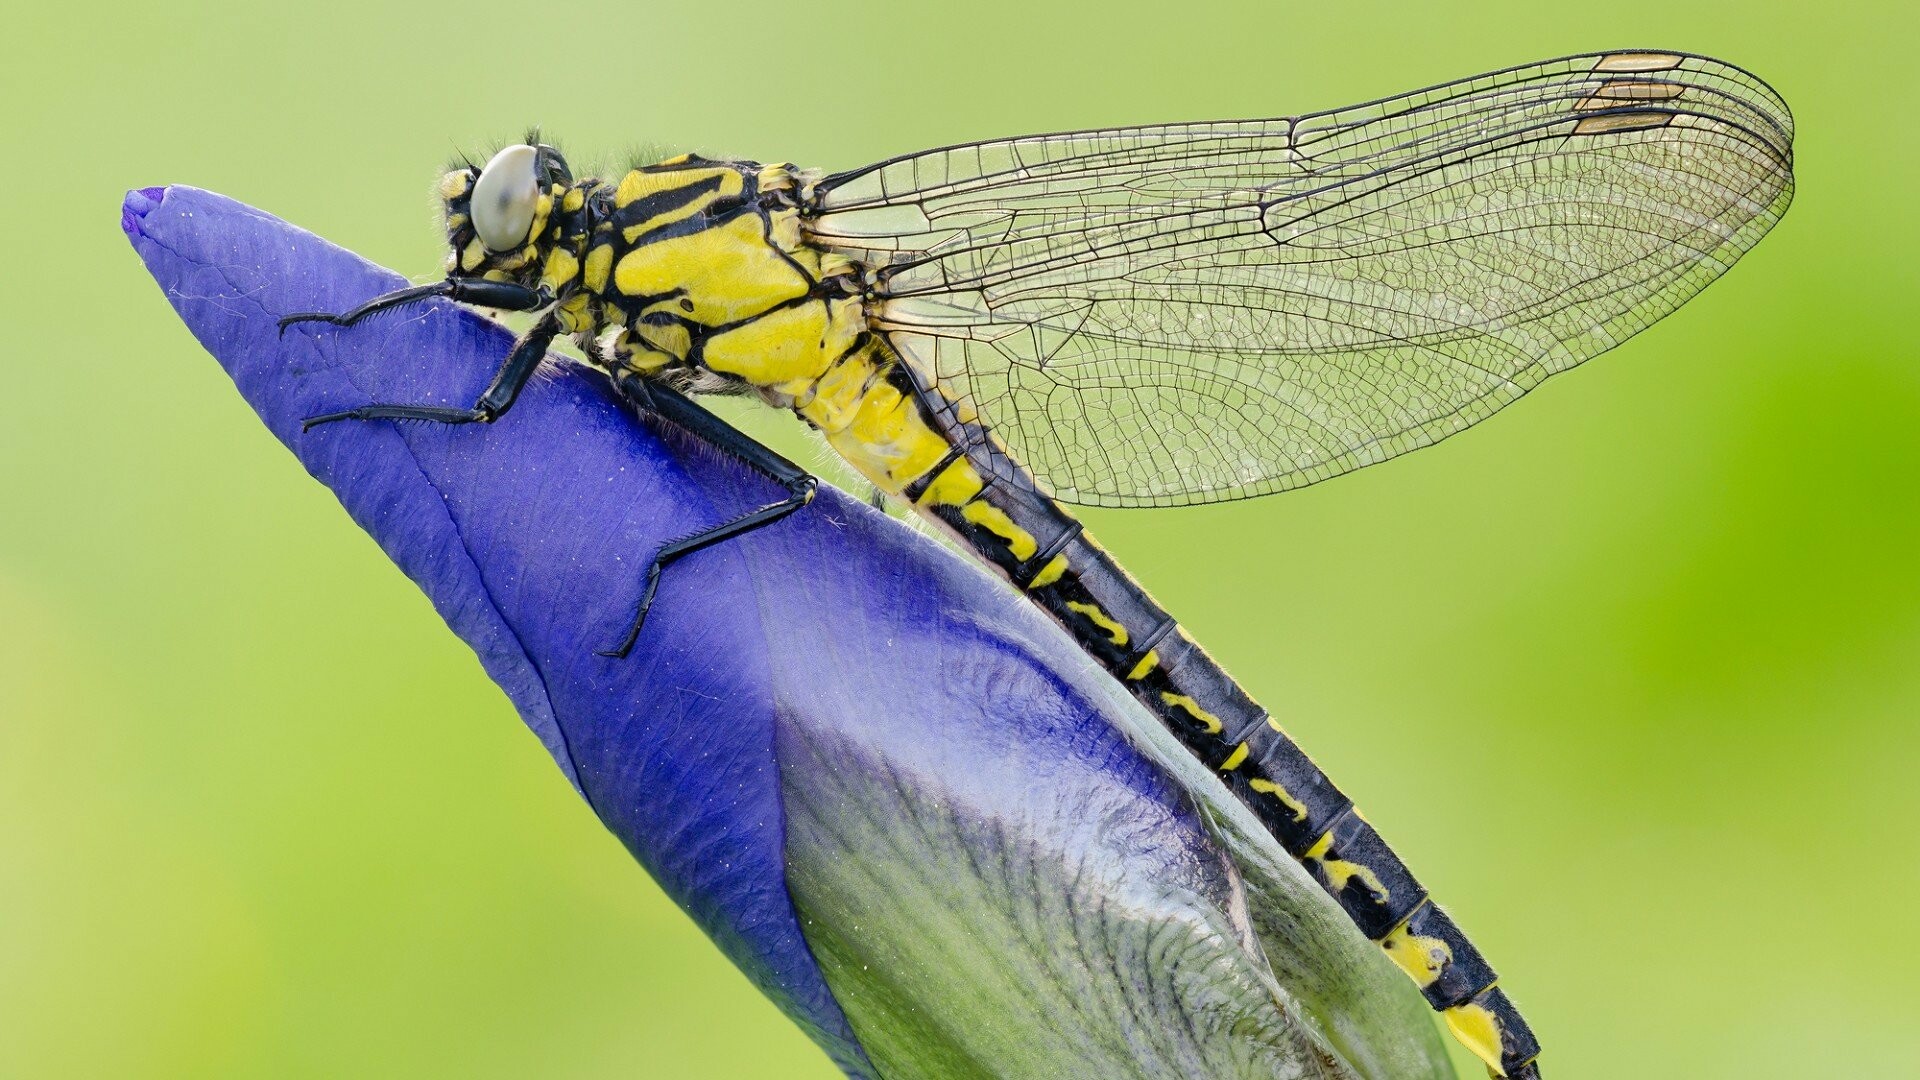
x: 1518, y: 1047
x: 1046, y: 555
x: 1151, y: 640
x: 1375, y: 910
x: 1275, y: 757
x: 918, y: 487
x: 1466, y: 974
x: 1246, y: 732
x: 652, y: 205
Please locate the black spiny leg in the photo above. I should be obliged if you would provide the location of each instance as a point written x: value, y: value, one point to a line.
x: 503, y: 295
x: 493, y: 403
x: 671, y: 405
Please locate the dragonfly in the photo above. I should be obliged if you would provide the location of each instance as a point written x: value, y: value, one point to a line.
x: 1142, y: 317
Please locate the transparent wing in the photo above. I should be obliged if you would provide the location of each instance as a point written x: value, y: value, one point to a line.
x: 1198, y: 312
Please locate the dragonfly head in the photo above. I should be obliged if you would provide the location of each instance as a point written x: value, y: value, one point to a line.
x: 500, y: 216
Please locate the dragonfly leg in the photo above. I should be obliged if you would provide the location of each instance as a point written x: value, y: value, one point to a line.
x: 504, y: 295
x: 493, y: 403
x: 671, y: 405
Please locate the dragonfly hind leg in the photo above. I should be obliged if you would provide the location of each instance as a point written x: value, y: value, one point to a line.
x: 671, y: 405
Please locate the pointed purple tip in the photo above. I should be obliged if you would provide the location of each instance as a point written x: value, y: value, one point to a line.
x: 136, y: 206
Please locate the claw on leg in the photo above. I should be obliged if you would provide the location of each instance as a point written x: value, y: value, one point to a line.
x: 620, y: 651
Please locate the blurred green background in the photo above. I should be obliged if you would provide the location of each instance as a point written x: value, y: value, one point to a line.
x: 1631, y: 674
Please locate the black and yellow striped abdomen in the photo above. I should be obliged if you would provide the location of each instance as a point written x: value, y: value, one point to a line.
x: 1044, y: 551
x: 917, y: 446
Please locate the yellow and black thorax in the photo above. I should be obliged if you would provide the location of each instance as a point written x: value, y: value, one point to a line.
x: 699, y: 273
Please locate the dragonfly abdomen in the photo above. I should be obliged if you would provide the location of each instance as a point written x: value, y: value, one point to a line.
x: 1045, y: 552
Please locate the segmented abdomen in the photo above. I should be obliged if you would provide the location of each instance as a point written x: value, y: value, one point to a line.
x: 1044, y: 551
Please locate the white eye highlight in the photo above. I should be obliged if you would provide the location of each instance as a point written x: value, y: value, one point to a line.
x: 503, y: 198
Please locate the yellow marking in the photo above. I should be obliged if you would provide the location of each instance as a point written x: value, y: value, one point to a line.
x: 784, y: 229
x: 455, y: 184
x: 1051, y: 573
x: 780, y: 347
x: 845, y: 323
x: 1638, y: 62
x: 672, y: 339
x: 574, y: 200
x: 643, y: 360
x: 1023, y: 546
x: 1478, y: 1031
x: 542, y: 207
x: 573, y: 314
x: 832, y: 403
x: 599, y: 265
x: 473, y: 255
x: 1339, y: 871
x: 1146, y: 664
x: 1621, y: 122
x: 1269, y: 787
x: 455, y: 222
x: 1422, y: 958
x: 560, y: 270
x: 1181, y: 701
x: 955, y: 485
x: 789, y: 350
x: 728, y: 273
x: 884, y: 435
x: 637, y: 185
x: 881, y: 432
x: 1235, y: 759
x: 1115, y: 632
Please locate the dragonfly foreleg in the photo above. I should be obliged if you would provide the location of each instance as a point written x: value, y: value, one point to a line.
x: 502, y: 295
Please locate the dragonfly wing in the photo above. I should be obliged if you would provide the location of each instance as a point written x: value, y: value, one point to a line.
x: 1199, y: 312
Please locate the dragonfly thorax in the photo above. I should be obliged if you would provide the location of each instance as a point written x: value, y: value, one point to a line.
x: 688, y: 268
x: 700, y: 265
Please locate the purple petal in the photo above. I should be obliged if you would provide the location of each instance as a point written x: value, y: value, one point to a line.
x: 800, y: 697
x: 529, y: 536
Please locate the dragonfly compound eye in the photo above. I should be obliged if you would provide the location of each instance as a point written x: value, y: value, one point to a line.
x: 504, y: 197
